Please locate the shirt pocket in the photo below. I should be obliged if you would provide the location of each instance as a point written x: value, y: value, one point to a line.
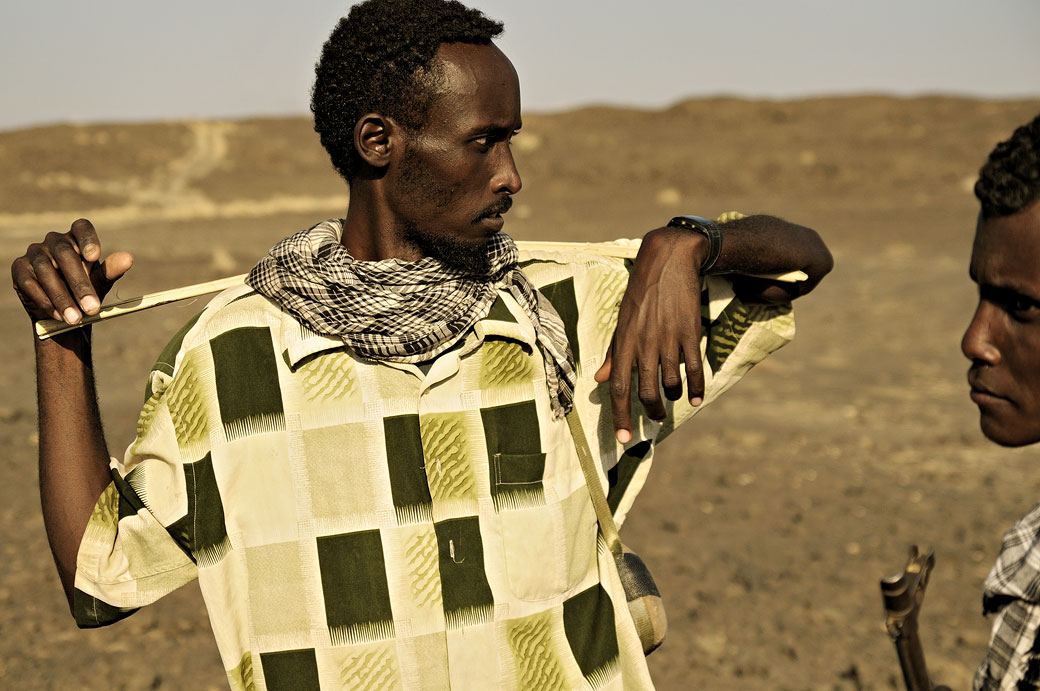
x: 548, y: 525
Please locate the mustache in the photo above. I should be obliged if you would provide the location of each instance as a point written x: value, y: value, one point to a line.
x: 500, y: 207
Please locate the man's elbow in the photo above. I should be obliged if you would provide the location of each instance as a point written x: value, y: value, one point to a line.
x: 822, y: 262
x: 756, y: 290
x: 817, y: 262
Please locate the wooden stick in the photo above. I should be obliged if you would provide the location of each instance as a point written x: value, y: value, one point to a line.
x: 45, y: 328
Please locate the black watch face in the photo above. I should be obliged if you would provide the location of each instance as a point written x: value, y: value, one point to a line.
x: 700, y: 220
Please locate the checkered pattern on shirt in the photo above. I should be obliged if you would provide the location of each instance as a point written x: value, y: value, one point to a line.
x: 1012, y: 590
x: 364, y: 525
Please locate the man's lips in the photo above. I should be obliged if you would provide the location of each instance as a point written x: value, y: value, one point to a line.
x: 980, y: 393
x: 494, y: 212
x: 494, y: 222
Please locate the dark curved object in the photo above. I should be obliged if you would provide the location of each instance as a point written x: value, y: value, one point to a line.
x: 903, y: 595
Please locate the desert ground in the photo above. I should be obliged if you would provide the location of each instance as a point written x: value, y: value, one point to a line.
x: 767, y: 521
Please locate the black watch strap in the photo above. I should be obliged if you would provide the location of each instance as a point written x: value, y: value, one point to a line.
x: 707, y: 228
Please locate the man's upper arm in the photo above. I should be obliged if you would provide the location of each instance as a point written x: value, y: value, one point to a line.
x: 140, y: 542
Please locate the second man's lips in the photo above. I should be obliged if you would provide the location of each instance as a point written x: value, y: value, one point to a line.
x: 980, y: 389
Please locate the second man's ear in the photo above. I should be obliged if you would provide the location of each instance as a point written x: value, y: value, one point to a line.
x: 374, y: 139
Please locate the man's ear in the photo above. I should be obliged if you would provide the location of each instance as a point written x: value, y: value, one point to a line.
x: 375, y: 137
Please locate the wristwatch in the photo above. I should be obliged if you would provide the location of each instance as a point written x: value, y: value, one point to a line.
x: 707, y: 228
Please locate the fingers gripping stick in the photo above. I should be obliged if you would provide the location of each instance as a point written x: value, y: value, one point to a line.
x: 46, y: 328
x: 903, y: 595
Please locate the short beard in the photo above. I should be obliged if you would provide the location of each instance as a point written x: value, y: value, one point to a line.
x: 467, y: 258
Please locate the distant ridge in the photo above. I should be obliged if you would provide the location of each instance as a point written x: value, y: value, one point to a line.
x: 676, y: 157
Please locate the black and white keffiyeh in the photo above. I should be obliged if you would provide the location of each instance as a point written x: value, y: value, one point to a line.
x: 1012, y: 591
x: 404, y: 311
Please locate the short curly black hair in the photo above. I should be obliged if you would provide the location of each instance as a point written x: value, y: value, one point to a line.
x: 378, y: 59
x: 1009, y: 181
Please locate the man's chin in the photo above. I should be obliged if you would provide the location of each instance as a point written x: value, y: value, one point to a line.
x: 471, y: 257
x: 467, y: 255
x: 1007, y: 433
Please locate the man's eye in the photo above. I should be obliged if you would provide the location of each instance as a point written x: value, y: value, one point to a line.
x: 1023, y: 308
x: 493, y: 138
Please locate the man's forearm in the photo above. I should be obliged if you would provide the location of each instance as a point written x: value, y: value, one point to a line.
x: 73, y: 455
x: 770, y: 245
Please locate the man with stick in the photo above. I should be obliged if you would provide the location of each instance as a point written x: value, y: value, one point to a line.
x: 1003, y: 344
x: 364, y: 454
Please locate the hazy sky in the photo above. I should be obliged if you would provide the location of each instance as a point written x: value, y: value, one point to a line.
x: 131, y: 60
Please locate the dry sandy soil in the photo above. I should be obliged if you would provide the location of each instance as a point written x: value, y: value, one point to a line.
x: 768, y: 521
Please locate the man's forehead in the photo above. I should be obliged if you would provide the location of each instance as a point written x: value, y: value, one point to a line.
x: 1021, y: 229
x: 462, y: 68
x: 1007, y: 249
x: 475, y: 87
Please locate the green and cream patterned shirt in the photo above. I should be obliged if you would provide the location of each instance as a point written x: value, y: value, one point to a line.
x: 362, y: 525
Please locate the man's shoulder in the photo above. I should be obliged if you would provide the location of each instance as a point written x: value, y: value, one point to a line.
x: 585, y: 288
x: 240, y: 307
x: 583, y: 263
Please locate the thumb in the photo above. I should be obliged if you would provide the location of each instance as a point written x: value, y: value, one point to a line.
x: 603, y: 373
x: 105, y: 274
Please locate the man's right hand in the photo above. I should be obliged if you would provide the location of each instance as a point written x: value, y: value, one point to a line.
x: 63, y: 277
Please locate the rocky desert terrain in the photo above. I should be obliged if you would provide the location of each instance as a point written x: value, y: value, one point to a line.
x: 767, y: 521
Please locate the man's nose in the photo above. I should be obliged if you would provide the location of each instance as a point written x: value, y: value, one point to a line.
x: 507, y: 177
x: 977, y: 343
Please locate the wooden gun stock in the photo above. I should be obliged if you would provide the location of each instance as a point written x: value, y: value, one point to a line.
x: 903, y: 595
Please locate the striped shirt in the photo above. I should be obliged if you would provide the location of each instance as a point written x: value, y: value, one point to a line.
x: 367, y: 525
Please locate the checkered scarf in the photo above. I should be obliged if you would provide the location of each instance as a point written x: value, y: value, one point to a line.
x: 1012, y: 590
x: 406, y: 311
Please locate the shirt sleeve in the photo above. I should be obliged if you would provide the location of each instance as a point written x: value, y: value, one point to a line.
x: 734, y: 337
x: 143, y: 538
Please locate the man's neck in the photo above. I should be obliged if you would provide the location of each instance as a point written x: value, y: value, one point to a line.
x: 369, y: 231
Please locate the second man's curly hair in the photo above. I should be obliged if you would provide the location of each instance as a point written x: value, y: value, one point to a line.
x: 378, y: 59
x: 1009, y: 181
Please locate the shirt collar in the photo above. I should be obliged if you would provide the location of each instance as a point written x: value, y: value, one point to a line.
x: 505, y: 320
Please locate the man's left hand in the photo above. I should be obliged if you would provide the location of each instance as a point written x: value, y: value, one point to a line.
x: 658, y: 328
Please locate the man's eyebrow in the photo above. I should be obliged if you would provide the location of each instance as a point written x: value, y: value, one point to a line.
x: 1004, y: 291
x: 495, y: 130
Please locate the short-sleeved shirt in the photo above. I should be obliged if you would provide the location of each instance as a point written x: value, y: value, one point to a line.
x: 371, y: 525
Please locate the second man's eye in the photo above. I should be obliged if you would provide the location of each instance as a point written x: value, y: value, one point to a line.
x: 1020, y: 307
x: 1023, y: 308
